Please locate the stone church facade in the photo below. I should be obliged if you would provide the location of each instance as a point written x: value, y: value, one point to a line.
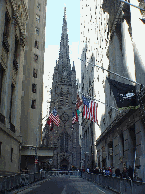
x: 65, y: 138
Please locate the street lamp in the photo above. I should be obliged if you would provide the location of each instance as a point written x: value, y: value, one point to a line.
x: 36, y: 155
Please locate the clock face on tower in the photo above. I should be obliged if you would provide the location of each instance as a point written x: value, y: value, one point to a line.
x: 64, y: 117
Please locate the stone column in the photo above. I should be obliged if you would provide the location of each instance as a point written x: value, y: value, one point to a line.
x: 140, y: 151
x: 2, y: 21
x: 127, y: 51
x: 19, y: 91
x: 138, y: 29
x: 9, y: 71
x: 116, y: 161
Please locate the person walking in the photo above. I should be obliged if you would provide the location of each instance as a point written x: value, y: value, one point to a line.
x: 130, y: 172
x: 117, y: 172
x: 110, y: 171
x: 88, y: 170
x: 124, y: 173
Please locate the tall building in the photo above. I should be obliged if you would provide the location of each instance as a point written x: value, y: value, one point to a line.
x: 13, y: 19
x: 64, y: 138
x: 122, y: 142
x: 32, y: 87
x: 94, y: 46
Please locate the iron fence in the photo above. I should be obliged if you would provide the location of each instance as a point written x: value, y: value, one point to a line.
x: 8, y: 183
x: 64, y: 173
x: 116, y: 184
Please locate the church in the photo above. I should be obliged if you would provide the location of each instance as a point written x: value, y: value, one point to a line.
x: 65, y: 137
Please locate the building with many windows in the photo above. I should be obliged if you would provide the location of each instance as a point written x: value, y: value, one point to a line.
x: 94, y: 46
x: 32, y: 85
x: 121, y: 144
x: 13, y: 19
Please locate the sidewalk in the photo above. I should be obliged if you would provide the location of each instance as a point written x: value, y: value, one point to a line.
x: 28, y: 186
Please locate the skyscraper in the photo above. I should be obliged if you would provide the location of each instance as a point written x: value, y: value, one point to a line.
x: 32, y: 86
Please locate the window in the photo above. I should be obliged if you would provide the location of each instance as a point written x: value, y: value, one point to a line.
x: 35, y: 73
x: 0, y: 148
x: 39, y: 6
x: 35, y: 57
x: 37, y: 31
x: 33, y: 105
x: 1, y: 80
x: 36, y: 45
x: 34, y: 88
x: 37, y: 18
x: 6, y: 33
x: 11, y: 154
x: 11, y: 101
x: 61, y: 101
x: 64, y: 138
x: 67, y: 102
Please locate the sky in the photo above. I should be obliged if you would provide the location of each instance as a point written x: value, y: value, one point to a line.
x: 53, y: 30
x: 54, y: 21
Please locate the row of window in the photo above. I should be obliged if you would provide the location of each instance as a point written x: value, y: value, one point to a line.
x: 36, y: 45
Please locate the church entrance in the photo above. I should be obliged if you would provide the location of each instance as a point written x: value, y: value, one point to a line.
x: 64, y: 164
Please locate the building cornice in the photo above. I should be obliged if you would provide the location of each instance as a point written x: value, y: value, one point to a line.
x: 124, y: 116
x: 20, y: 16
x: 10, y: 133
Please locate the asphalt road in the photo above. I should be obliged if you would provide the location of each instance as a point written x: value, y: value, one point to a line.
x: 64, y: 185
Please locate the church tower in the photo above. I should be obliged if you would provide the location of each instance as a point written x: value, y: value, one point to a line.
x: 64, y: 138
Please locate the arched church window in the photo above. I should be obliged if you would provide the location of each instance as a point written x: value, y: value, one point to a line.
x: 64, y: 142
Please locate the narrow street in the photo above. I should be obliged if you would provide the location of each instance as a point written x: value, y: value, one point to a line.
x: 64, y: 185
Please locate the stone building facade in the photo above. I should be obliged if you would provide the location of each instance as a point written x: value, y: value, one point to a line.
x: 32, y: 85
x: 64, y: 139
x: 122, y: 140
x: 13, y: 19
x: 94, y: 45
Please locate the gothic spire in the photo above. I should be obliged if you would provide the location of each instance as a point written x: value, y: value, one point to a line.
x: 64, y: 47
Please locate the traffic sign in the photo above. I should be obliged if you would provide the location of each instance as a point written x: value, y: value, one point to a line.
x: 36, y: 161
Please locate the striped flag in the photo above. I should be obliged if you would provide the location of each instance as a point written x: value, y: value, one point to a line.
x: 86, y: 103
x: 74, y: 118
x: 90, y: 109
x: 79, y: 102
x: 95, y: 112
x: 54, y: 117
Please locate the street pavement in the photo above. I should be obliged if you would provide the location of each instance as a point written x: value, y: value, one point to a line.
x: 64, y: 185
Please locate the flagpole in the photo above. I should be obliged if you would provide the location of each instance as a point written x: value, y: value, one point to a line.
x: 36, y: 155
x: 132, y: 5
x: 114, y: 73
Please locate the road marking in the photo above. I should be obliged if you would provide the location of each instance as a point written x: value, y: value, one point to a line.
x: 64, y: 190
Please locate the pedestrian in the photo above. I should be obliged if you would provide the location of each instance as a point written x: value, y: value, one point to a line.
x: 101, y: 171
x: 104, y: 169
x: 130, y: 172
x: 81, y: 172
x: 110, y: 171
x: 88, y: 170
x: 117, y: 172
x: 107, y: 172
x: 96, y: 170
x: 124, y: 173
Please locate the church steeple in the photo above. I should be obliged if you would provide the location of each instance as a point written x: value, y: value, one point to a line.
x: 64, y: 47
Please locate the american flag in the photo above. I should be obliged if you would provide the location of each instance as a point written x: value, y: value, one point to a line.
x: 90, y: 109
x: 54, y: 117
x: 79, y: 102
x: 74, y: 119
